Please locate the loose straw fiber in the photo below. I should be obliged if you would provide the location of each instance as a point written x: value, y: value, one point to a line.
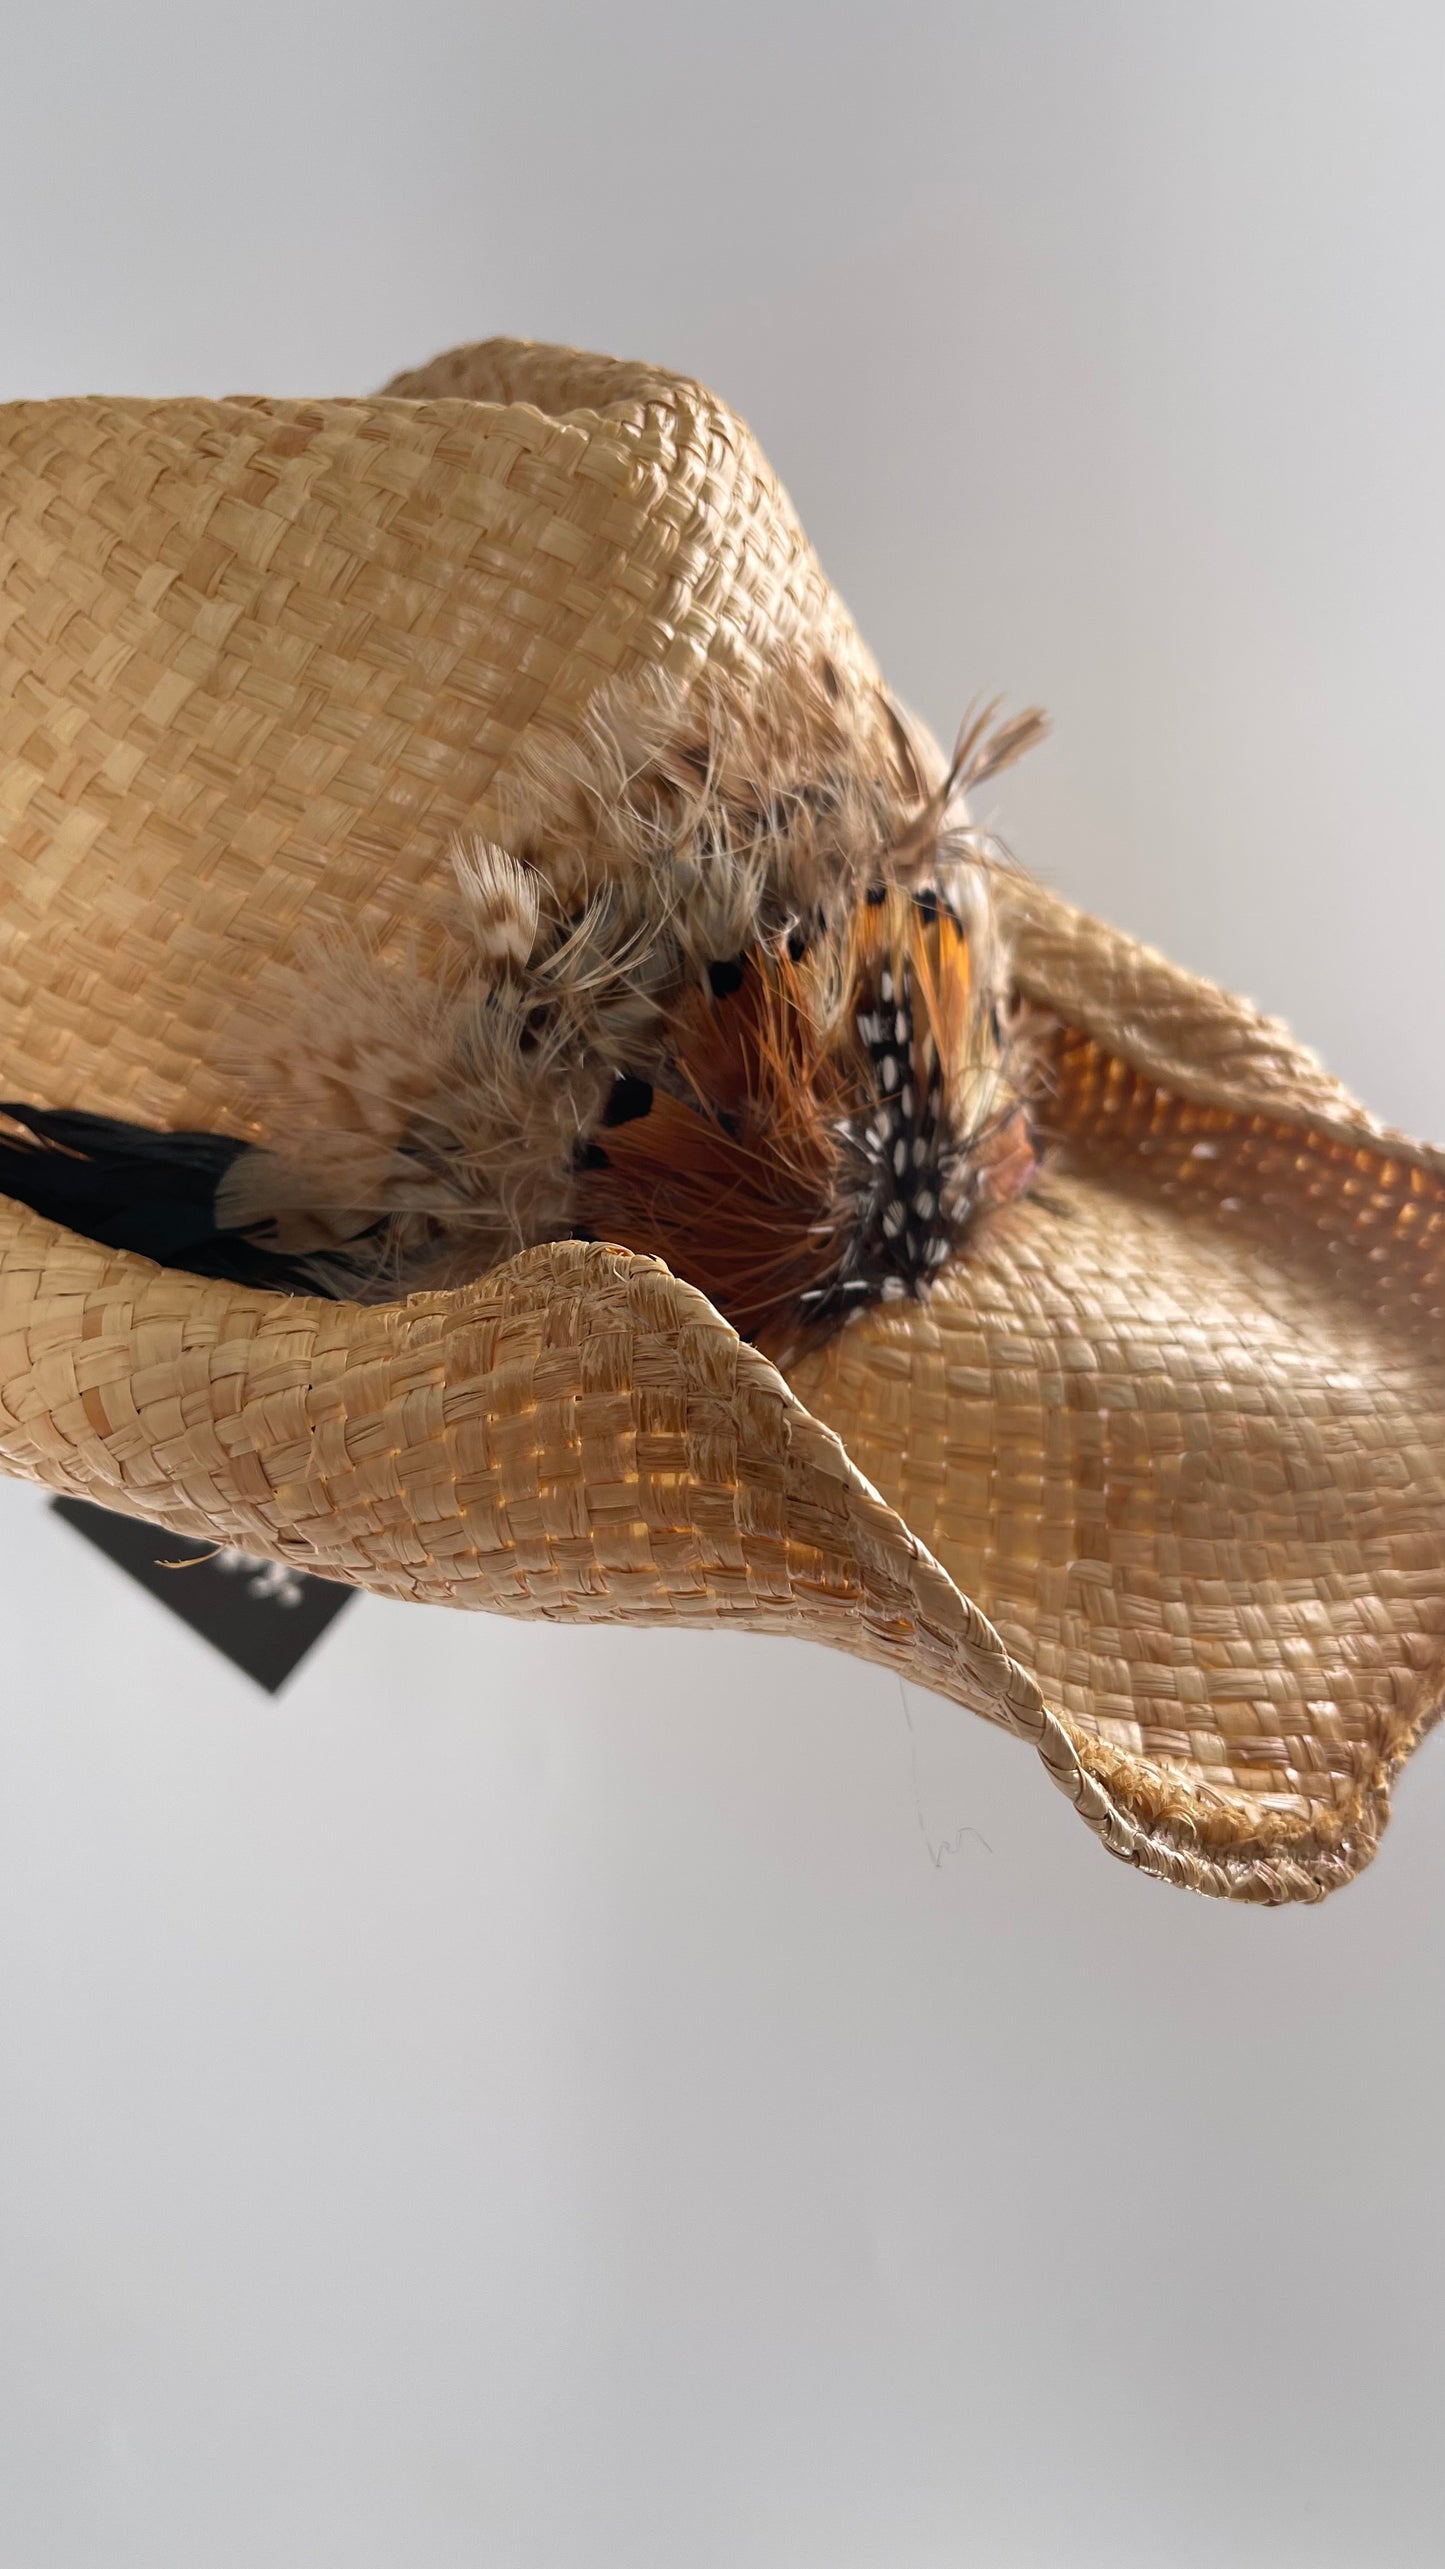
x: 1156, y: 1479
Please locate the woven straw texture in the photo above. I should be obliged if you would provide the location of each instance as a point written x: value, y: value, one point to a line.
x: 1157, y: 1479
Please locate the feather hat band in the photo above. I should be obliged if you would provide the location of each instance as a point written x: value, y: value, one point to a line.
x: 1092, y: 1355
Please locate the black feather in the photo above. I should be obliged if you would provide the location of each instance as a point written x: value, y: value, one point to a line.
x: 127, y: 1186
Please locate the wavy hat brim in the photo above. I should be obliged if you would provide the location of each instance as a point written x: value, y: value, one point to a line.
x: 1156, y: 1478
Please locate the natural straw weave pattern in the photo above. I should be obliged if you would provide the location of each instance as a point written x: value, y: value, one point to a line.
x: 1175, y: 1445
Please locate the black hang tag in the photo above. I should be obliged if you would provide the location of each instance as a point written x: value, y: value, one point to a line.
x: 264, y: 1615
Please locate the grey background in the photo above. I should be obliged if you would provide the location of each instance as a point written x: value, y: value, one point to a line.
x: 545, y: 2099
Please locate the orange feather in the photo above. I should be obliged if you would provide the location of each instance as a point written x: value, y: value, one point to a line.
x: 762, y: 1173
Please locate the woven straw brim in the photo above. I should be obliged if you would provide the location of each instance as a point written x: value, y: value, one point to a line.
x: 1157, y: 1479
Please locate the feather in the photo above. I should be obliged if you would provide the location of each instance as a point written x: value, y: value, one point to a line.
x: 808, y: 1161
x: 127, y: 1187
x: 986, y: 745
x: 726, y: 987
x: 504, y: 902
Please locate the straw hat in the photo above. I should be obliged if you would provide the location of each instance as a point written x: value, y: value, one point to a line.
x: 1160, y: 1486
